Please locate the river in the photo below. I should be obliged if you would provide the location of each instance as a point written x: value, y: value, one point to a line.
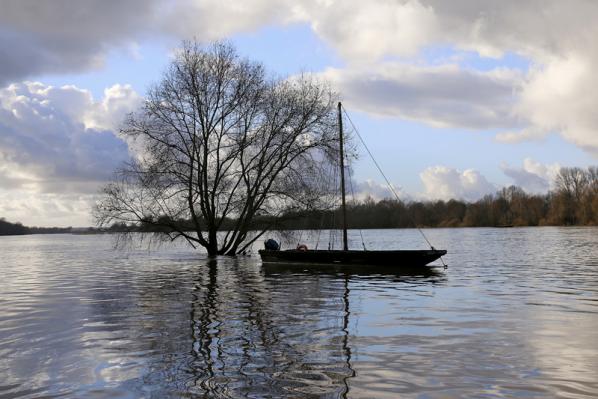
x: 515, y: 314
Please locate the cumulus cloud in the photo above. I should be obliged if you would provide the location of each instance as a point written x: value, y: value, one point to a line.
x: 362, y: 30
x: 377, y: 191
x: 109, y: 113
x: 444, y: 183
x: 57, y: 146
x: 560, y: 97
x: 534, y: 177
x: 213, y: 20
x: 74, y: 34
x: 535, y: 28
x: 557, y: 37
x: 64, y: 36
x: 46, y: 209
x: 444, y: 96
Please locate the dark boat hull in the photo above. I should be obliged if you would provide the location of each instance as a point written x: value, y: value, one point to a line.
x: 400, y: 258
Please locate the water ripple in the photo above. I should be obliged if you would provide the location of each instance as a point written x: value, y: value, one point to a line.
x: 514, y: 315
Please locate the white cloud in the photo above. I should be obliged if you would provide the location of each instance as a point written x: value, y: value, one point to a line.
x: 534, y: 177
x: 377, y: 191
x: 369, y: 30
x: 65, y: 36
x: 526, y: 134
x: 441, y: 182
x: 109, y: 113
x: 561, y: 97
x: 211, y: 20
x: 57, y: 146
x: 46, y: 209
x: 60, y: 133
x: 557, y: 37
x: 443, y: 96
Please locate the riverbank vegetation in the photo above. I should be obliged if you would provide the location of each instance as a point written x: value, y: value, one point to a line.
x: 16, y: 229
x: 573, y: 202
x: 7, y: 228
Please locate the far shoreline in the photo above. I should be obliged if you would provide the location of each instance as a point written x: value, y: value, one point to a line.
x: 96, y: 231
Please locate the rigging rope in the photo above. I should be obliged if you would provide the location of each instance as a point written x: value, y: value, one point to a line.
x: 319, y: 232
x: 385, y: 178
x: 332, y: 231
x: 325, y: 180
x: 353, y: 196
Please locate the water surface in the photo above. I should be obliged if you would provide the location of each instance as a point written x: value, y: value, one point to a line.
x: 514, y: 315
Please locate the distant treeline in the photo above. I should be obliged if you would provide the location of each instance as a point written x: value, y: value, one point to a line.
x: 15, y: 229
x: 574, y: 201
x: 9, y: 229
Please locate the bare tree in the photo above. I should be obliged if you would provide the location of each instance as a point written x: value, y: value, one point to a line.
x: 219, y: 143
x: 573, y: 182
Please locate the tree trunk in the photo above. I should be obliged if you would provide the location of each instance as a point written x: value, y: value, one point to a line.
x: 212, y: 243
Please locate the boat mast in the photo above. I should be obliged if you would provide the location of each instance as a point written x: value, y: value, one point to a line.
x: 342, y: 154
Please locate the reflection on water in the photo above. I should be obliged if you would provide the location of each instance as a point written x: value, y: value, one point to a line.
x: 515, y: 315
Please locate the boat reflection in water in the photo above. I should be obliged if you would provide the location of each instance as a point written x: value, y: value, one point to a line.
x: 348, y: 271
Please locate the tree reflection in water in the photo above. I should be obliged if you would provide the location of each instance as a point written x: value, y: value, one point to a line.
x: 268, y: 332
x: 171, y: 327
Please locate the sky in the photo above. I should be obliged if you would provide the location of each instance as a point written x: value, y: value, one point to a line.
x: 455, y: 99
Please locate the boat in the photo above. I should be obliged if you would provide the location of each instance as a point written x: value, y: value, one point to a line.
x: 400, y: 259
x: 403, y: 258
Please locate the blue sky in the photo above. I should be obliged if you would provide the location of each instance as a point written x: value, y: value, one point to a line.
x: 404, y: 148
x: 433, y: 100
